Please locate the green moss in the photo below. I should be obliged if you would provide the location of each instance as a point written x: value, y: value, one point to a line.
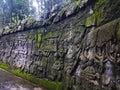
x: 99, y: 11
x: 104, y: 10
x: 35, y: 36
x: 50, y: 85
x: 49, y: 35
x: 39, y: 38
x: 29, y: 20
x: 3, y: 66
x: 30, y: 23
x: 48, y: 47
x: 90, y: 20
x: 77, y: 3
x: 118, y: 32
x: 99, y: 3
x: 99, y: 16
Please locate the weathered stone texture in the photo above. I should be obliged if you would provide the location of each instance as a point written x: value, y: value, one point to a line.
x: 82, y: 51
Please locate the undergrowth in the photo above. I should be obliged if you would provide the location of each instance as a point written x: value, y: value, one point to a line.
x: 50, y: 85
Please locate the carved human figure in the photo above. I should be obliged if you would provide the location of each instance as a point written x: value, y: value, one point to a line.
x: 108, y: 72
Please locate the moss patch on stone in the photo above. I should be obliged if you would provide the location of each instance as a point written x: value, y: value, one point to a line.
x: 90, y: 20
x: 99, y: 3
x: 3, y: 66
x: 100, y: 13
x: 39, y: 39
x: 50, y: 85
x: 77, y: 3
x: 35, y: 36
x: 49, y: 35
x: 118, y: 32
x: 105, y: 33
x: 104, y: 9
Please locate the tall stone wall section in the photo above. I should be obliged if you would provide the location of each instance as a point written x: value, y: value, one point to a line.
x: 82, y: 51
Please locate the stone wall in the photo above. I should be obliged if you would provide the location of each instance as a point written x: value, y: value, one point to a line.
x: 82, y: 51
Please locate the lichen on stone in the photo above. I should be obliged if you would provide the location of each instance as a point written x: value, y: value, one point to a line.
x: 118, y: 32
x: 90, y: 21
x: 39, y: 38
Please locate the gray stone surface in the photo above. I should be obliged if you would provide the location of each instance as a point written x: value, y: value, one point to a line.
x: 81, y: 51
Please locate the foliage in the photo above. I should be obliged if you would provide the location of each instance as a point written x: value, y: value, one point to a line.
x: 11, y: 11
x: 48, y: 4
x: 50, y: 85
x: 3, y: 66
x: 77, y: 3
